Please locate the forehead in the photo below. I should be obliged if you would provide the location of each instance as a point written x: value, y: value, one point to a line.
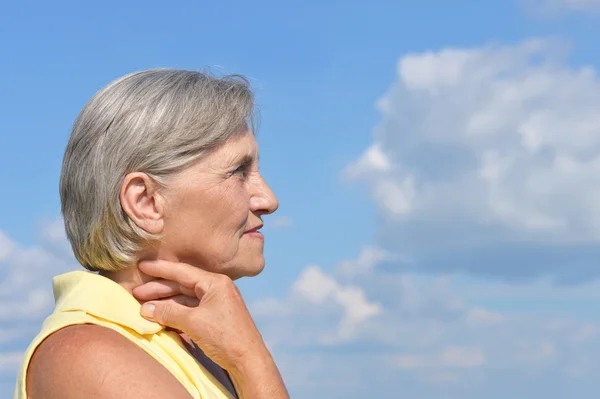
x: 239, y: 146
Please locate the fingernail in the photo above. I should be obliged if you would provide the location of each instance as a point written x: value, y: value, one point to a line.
x: 148, y: 310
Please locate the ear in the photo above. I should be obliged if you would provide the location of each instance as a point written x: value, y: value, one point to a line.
x: 142, y: 203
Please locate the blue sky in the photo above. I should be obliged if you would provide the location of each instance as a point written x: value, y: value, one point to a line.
x: 435, y: 163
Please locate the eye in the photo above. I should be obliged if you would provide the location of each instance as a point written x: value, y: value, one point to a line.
x: 242, y: 170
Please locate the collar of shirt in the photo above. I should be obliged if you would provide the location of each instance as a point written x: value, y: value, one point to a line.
x: 102, y: 298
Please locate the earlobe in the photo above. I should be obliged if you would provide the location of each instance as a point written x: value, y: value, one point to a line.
x: 141, y: 202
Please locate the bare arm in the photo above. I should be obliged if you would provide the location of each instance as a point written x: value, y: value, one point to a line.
x: 209, y: 308
x: 259, y: 378
x: 88, y: 361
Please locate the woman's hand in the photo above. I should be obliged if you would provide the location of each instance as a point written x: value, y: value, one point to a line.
x: 209, y: 309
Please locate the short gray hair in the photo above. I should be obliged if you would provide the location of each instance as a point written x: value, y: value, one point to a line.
x: 158, y: 122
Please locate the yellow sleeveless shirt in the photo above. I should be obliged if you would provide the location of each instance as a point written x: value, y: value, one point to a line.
x: 87, y: 298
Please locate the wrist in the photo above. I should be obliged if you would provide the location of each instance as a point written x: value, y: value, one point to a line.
x: 252, y: 363
x: 257, y: 377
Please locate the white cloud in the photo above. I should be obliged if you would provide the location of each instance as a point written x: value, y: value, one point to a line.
x: 482, y: 316
x: 538, y: 352
x: 54, y: 231
x: 556, y: 8
x: 462, y: 357
x: 511, y: 127
x: 450, y: 357
x: 581, y: 3
x: 366, y: 261
x: 314, y: 285
x: 26, y: 293
x: 6, y: 246
x: 428, y: 334
x: 432, y: 335
x: 26, y: 284
x: 10, y: 361
x: 372, y: 160
x: 314, y: 288
x: 280, y: 222
x: 584, y: 334
x: 9, y: 334
x: 485, y: 146
x: 54, y: 237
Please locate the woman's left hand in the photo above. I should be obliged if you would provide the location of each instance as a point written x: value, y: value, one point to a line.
x: 163, y: 289
x: 206, y: 306
x: 209, y: 309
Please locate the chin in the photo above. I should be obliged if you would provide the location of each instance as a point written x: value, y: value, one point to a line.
x: 248, y: 270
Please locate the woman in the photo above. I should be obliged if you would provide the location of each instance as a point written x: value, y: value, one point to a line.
x: 162, y: 196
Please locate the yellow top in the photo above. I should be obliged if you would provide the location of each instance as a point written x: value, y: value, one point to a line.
x: 87, y: 298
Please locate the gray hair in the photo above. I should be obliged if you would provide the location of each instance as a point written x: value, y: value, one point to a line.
x: 158, y: 122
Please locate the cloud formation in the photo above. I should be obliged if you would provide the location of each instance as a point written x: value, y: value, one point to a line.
x: 317, y: 293
x: 26, y: 279
x: 357, y: 329
x: 431, y: 336
x: 26, y: 294
x: 280, y: 222
x: 556, y: 8
x: 491, y: 151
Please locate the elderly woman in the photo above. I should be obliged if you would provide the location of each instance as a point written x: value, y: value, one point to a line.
x: 162, y: 197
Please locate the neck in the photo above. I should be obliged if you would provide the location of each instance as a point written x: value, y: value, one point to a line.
x: 128, y: 278
x: 133, y: 277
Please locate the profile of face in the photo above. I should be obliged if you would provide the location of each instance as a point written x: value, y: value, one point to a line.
x: 208, y: 214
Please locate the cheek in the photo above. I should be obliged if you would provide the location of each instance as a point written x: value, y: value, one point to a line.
x: 235, y: 205
x: 210, y: 222
x: 229, y: 224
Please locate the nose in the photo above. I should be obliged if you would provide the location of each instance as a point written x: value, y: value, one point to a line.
x: 263, y: 201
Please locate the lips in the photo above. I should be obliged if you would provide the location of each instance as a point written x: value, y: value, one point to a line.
x: 255, y: 229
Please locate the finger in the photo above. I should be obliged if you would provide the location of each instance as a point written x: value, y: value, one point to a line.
x: 186, y: 275
x: 190, y: 302
x: 173, y: 312
x: 158, y: 289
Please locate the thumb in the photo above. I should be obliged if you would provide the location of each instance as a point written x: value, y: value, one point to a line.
x: 167, y: 313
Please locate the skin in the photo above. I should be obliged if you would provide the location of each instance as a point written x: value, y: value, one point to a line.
x: 205, y: 210
x: 212, y: 313
x: 208, y: 215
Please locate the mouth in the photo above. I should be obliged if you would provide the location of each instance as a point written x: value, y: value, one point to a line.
x: 254, y: 229
x: 254, y: 233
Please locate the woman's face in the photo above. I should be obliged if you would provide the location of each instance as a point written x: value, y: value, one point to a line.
x: 213, y: 210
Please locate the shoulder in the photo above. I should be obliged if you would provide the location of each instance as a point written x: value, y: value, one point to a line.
x: 94, y: 361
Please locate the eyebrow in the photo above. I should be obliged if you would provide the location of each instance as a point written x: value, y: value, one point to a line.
x: 248, y: 159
